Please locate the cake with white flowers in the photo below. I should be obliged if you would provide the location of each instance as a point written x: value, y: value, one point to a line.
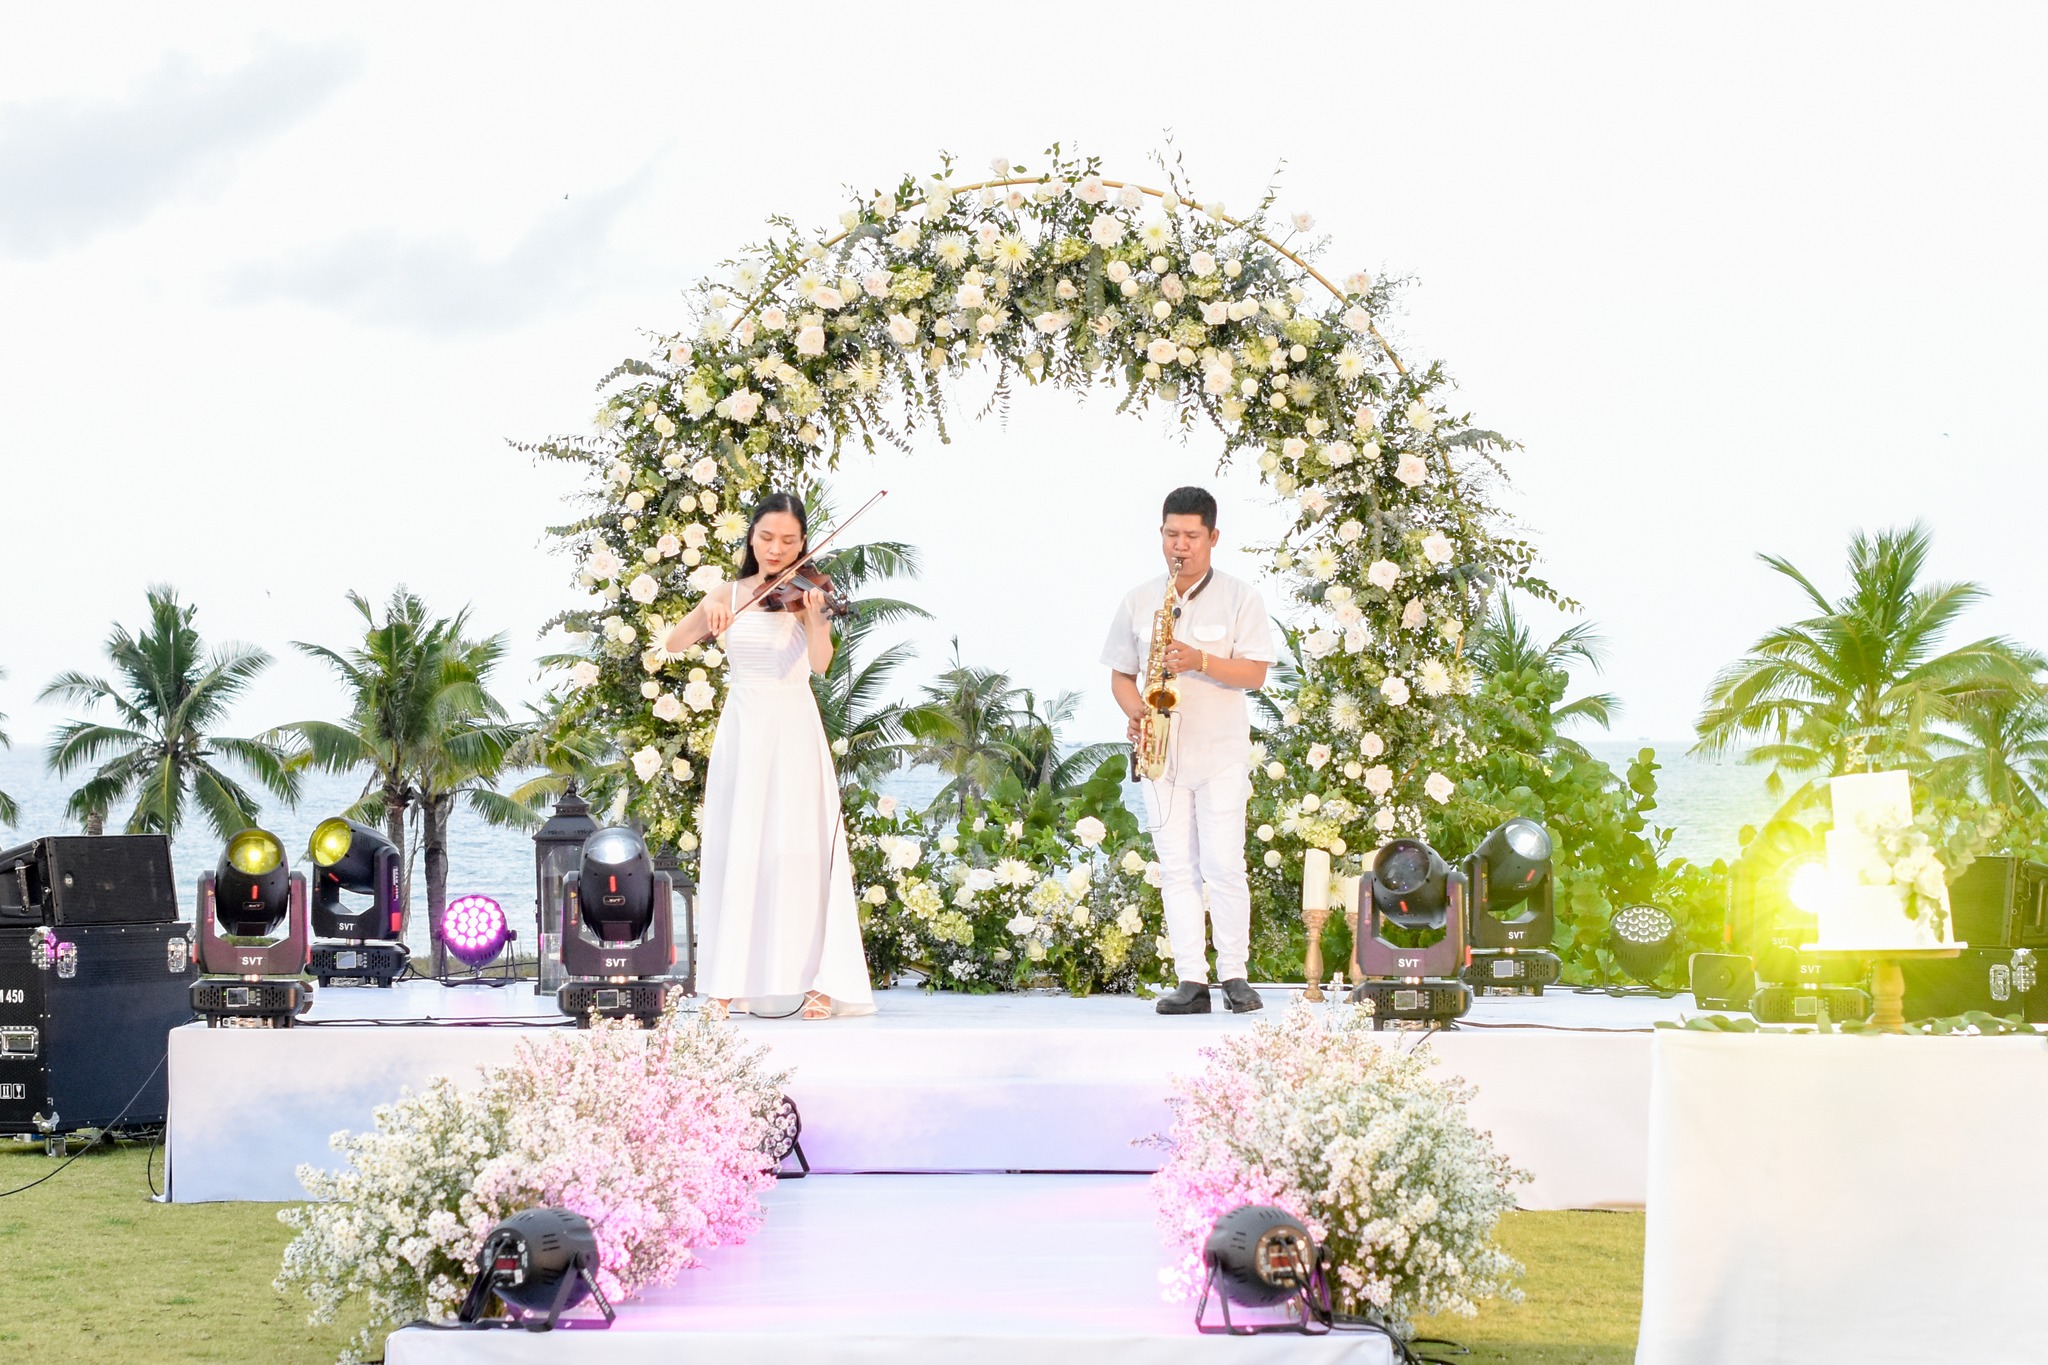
x: 1886, y: 888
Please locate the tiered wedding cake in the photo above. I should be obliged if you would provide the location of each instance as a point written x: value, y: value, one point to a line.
x: 1867, y: 906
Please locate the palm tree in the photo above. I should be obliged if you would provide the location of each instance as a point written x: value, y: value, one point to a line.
x: 159, y: 746
x: 866, y: 732
x: 9, y: 811
x: 420, y: 720
x: 1040, y: 759
x: 964, y: 727
x: 1998, y: 751
x: 1504, y: 644
x: 1860, y: 683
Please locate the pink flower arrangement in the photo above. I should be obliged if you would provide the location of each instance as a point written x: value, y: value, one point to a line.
x: 1348, y: 1132
x: 657, y: 1136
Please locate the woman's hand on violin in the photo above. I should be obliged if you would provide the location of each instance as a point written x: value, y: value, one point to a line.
x: 717, y: 613
x: 814, y: 605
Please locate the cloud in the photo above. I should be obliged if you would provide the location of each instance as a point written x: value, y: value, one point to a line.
x: 443, y: 286
x: 71, y: 170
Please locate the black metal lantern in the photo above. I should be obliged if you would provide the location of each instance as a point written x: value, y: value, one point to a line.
x: 557, y: 851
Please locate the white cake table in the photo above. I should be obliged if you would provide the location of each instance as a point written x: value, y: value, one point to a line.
x: 1868, y: 1199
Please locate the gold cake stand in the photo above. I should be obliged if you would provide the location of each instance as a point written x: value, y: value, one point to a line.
x: 1887, y: 979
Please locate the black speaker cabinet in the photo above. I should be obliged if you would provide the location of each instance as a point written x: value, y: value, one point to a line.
x: 85, y: 1017
x: 2001, y: 902
x: 74, y: 879
x: 1722, y: 981
x: 2001, y: 981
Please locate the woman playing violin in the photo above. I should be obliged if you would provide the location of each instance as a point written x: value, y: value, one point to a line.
x: 777, y: 919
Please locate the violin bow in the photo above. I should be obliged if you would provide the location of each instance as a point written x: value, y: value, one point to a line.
x: 812, y: 553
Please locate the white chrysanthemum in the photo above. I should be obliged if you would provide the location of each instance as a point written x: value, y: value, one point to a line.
x: 1420, y: 417
x: 1433, y: 678
x: 731, y: 527
x: 1345, y: 713
x: 1156, y: 235
x: 952, y: 250
x: 1012, y: 254
x: 1015, y: 872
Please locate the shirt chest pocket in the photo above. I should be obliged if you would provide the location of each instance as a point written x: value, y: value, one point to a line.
x: 1208, y: 634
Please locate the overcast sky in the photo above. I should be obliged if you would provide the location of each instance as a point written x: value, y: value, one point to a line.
x: 277, y: 285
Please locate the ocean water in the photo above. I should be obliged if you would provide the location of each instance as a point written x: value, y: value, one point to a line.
x: 1704, y: 802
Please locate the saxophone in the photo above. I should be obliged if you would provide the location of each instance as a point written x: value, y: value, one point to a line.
x: 1160, y: 693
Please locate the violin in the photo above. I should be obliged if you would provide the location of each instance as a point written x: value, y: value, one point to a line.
x: 788, y: 595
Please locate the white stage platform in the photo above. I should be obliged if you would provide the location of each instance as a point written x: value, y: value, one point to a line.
x: 996, y: 1270
x: 928, y: 1083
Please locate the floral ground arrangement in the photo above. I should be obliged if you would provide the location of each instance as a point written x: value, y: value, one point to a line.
x: 1352, y: 1136
x: 658, y: 1136
x: 808, y: 342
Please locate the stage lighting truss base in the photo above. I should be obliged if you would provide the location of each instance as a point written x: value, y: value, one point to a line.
x: 353, y: 960
x: 643, y: 1000
x: 1512, y: 973
x: 1395, y: 1001
x: 245, y: 1002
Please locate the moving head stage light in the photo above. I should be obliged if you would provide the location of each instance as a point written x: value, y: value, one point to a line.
x: 243, y: 899
x: 539, y: 1263
x: 616, y: 938
x: 1412, y: 946
x: 356, y: 859
x: 1510, y: 869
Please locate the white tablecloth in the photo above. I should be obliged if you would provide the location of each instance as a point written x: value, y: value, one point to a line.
x: 1822, y: 1199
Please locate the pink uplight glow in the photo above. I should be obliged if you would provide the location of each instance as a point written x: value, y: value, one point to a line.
x: 475, y: 929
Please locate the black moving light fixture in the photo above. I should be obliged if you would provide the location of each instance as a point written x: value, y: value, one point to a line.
x: 1259, y: 1256
x: 539, y: 1263
x: 1412, y: 946
x: 242, y: 899
x: 1510, y: 871
x: 352, y: 858
x: 1643, y: 939
x: 616, y: 941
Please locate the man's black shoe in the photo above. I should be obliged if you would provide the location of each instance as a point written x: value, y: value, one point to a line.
x: 1239, y: 995
x: 1190, y: 997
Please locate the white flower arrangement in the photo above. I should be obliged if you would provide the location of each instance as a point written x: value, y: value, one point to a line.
x: 1355, y: 1137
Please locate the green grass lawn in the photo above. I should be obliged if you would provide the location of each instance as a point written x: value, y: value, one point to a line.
x: 94, y: 1270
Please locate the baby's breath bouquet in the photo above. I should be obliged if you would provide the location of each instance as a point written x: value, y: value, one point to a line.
x: 657, y: 1136
x: 1352, y: 1135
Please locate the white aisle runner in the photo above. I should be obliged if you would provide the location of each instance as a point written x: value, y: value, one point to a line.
x: 905, y: 1270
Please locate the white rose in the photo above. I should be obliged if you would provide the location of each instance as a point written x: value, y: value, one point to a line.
x: 876, y: 895
x: 904, y: 854
x: 668, y: 546
x: 1090, y: 831
x: 774, y: 319
x: 1384, y: 822
x: 1382, y: 573
x: 885, y: 807
x: 978, y: 878
x: 1318, y: 755
x: 1412, y: 614
x: 583, y: 674
x: 643, y: 589
x: 1077, y: 881
x: 694, y: 535
x: 1133, y: 862
x: 667, y: 707
x: 1050, y: 322
x: 1020, y: 924
x: 1202, y: 265
x: 605, y: 564
x: 699, y: 695
x: 647, y: 762
x: 810, y: 340
x: 1162, y: 352
x: 1436, y: 548
x: 1439, y: 788
x: 745, y: 404
x: 680, y: 353
x: 902, y: 330
x: 704, y: 472
x: 681, y: 770
x: 1371, y: 745
x: 839, y: 748
x: 1105, y: 231
x: 970, y: 296
x: 1395, y: 691
x: 1411, y: 470
x: 1379, y: 780
x: 1155, y: 876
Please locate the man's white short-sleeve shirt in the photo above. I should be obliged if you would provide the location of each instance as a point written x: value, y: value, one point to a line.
x: 1227, y: 618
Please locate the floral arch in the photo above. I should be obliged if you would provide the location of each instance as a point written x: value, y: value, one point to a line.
x: 1062, y: 277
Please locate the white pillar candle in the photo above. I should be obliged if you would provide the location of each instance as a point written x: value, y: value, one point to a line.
x: 1315, y: 879
x: 1349, y: 888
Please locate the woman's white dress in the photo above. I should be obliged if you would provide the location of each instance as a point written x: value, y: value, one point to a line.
x: 776, y: 909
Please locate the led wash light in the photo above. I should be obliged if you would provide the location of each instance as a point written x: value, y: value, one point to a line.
x: 475, y: 930
x: 1643, y: 939
x: 357, y: 942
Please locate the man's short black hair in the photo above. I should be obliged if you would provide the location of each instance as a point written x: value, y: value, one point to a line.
x: 1191, y: 502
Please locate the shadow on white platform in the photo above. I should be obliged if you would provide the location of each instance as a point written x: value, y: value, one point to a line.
x: 927, y: 1083
x: 992, y: 1270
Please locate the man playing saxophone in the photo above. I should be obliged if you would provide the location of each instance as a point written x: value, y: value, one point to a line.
x: 1219, y: 648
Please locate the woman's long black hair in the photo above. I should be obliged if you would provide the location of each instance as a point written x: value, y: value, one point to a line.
x: 774, y: 502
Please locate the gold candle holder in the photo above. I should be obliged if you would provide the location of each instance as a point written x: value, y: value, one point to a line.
x: 1349, y: 889
x: 1315, y: 913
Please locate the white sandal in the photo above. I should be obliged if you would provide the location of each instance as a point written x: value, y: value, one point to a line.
x: 817, y: 1005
